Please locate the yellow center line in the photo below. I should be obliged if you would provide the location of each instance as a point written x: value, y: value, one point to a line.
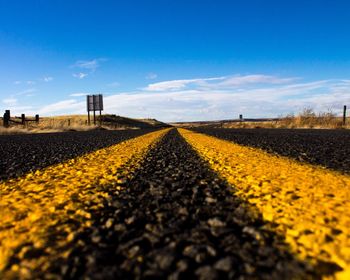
x: 41, y: 202
x: 310, y: 205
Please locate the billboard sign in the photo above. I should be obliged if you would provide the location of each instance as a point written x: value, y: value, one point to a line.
x: 94, y: 102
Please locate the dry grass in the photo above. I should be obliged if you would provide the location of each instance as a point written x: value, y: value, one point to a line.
x: 78, y: 123
x: 13, y: 130
x: 306, y: 119
x: 268, y: 124
x: 62, y: 123
x: 309, y: 119
x: 51, y: 124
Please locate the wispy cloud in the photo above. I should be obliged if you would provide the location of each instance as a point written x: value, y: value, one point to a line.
x: 10, y: 101
x: 266, y: 97
x: 151, y: 76
x: 218, y: 82
x: 65, y: 106
x: 218, y: 98
x: 255, y: 79
x: 32, y: 82
x: 90, y: 65
x: 87, y: 66
x: 79, y: 94
x: 47, y: 79
x: 25, y: 92
x: 80, y: 75
x: 178, y: 84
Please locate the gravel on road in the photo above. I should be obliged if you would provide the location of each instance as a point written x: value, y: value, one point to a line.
x: 173, y: 206
x: 176, y: 219
x: 41, y: 212
x: 309, y: 204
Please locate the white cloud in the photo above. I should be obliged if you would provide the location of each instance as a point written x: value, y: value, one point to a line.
x: 25, y: 92
x: 178, y: 84
x: 151, y: 76
x: 255, y: 79
x: 219, y: 82
x: 31, y: 82
x: 62, y: 107
x: 10, y: 101
x: 17, y: 110
x: 47, y: 79
x: 202, y: 103
x: 79, y: 94
x: 80, y: 75
x: 88, y: 66
x: 91, y: 65
x: 215, y: 98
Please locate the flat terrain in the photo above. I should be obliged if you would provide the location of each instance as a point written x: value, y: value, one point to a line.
x: 174, y: 204
x: 326, y: 147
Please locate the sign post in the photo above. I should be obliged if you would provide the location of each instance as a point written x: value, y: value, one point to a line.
x: 94, y: 103
x: 6, y: 118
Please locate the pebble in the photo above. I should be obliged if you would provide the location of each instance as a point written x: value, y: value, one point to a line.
x: 215, y: 222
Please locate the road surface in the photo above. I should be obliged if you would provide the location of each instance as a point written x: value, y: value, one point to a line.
x: 174, y: 204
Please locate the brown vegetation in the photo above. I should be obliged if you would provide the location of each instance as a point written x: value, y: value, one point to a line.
x: 80, y: 123
x: 306, y: 119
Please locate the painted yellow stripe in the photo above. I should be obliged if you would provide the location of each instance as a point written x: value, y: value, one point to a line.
x: 311, y: 205
x: 34, y: 205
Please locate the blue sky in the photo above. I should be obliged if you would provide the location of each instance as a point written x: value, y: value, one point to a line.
x: 175, y: 60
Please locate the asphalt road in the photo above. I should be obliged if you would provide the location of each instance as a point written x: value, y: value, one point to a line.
x: 176, y: 219
x: 307, y: 203
x: 28, y: 152
x: 328, y: 148
x: 153, y: 207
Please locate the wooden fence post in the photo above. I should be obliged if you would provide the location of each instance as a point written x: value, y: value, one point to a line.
x: 7, y: 118
x: 37, y: 118
x: 100, y: 118
x: 344, y: 115
x: 23, y: 119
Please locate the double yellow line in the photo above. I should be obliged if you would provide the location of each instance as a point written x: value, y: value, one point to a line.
x: 310, y: 205
x: 36, y: 205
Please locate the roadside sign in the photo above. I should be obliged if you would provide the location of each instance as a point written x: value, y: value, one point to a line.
x: 94, y: 103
